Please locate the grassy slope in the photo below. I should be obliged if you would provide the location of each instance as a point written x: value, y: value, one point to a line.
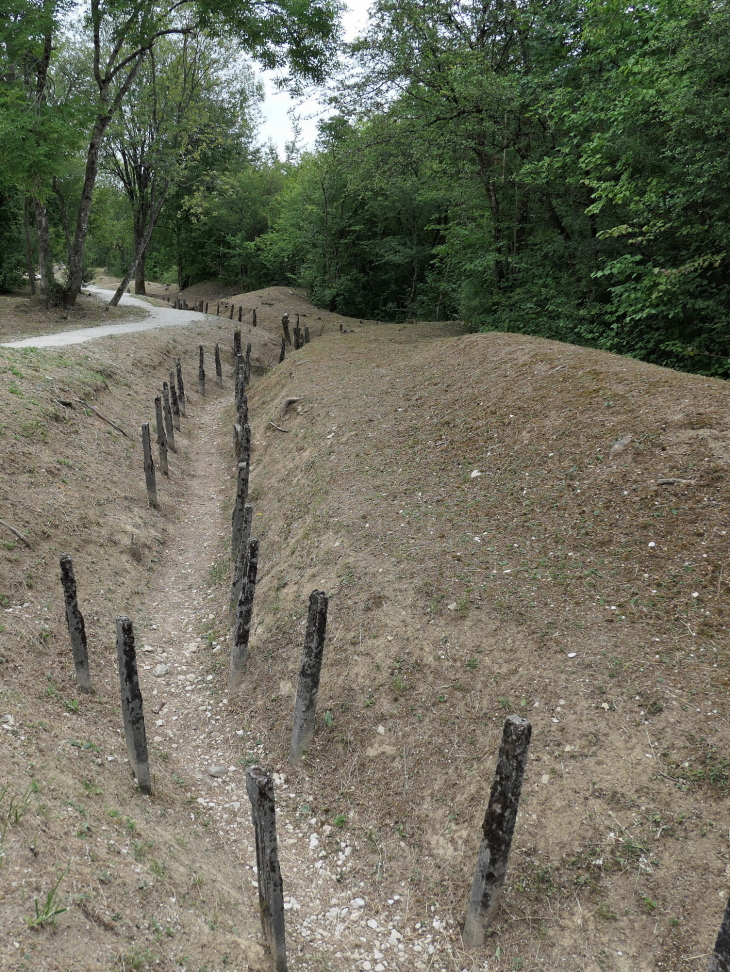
x: 433, y: 637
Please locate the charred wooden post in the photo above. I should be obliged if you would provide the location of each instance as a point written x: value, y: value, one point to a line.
x: 260, y: 789
x: 201, y: 372
x: 246, y: 444
x: 175, y: 402
x: 236, y: 344
x: 306, y: 334
x: 230, y: 316
x: 180, y: 386
x: 161, y: 437
x: 720, y: 959
x: 132, y: 714
x: 218, y: 367
x: 497, y: 830
x: 169, y: 428
x: 285, y: 328
x: 244, y: 613
x: 237, y: 518
x: 238, y: 370
x: 217, y: 309
x: 149, y: 466
x: 282, y: 353
x: 308, y: 687
x: 247, y: 366
x: 206, y: 307
x: 240, y: 568
x: 240, y: 313
x: 253, y: 317
x: 237, y: 433
x: 340, y: 327
x: 75, y: 622
x: 242, y: 409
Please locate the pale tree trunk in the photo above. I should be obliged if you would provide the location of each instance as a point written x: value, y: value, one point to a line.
x: 76, y: 259
x: 140, y: 249
x: 45, y: 263
x: 28, y: 248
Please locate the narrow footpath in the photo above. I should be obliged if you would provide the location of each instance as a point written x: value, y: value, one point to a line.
x: 184, y: 672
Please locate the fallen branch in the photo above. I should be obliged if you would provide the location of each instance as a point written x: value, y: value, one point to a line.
x: 675, y: 482
x: 102, y: 417
x: 278, y: 428
x: 17, y: 533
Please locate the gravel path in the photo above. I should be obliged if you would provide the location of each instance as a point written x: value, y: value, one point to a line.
x: 156, y: 317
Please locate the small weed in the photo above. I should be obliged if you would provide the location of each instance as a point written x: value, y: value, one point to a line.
x: 471, y: 665
x: 340, y: 820
x: 218, y: 573
x: 328, y: 720
x: 50, y: 909
x: 72, y: 705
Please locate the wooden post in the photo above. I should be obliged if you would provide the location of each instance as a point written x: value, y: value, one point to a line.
x: 75, y: 622
x: 237, y: 518
x: 149, y: 466
x: 240, y: 313
x: 206, y: 307
x: 247, y: 366
x: 201, y: 373
x: 285, y: 328
x: 253, y: 317
x: 237, y: 433
x: 217, y: 309
x: 241, y: 566
x: 244, y: 613
x: 230, y: 316
x: 306, y: 334
x: 180, y: 386
x: 260, y: 789
x: 242, y: 409
x: 497, y: 830
x: 175, y: 402
x: 132, y: 714
x: 169, y: 429
x: 308, y: 687
x: 236, y: 344
x: 246, y: 444
x: 161, y: 438
x: 720, y: 959
x: 282, y: 353
x: 218, y: 367
x: 185, y: 304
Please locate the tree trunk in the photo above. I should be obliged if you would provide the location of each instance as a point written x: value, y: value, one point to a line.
x: 30, y: 267
x: 139, y: 274
x: 140, y: 249
x: 76, y: 261
x: 45, y: 263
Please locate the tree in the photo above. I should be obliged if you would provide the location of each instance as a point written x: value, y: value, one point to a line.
x: 120, y: 35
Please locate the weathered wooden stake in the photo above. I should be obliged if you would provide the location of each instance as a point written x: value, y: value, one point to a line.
x: 253, y: 317
x: 306, y: 334
x: 237, y: 518
x: 180, y: 386
x: 240, y: 313
x: 242, y: 409
x: 206, y: 307
x: 247, y: 366
x: 175, y: 402
x: 132, y: 714
x: 308, y: 687
x: 169, y: 428
x: 244, y: 613
x: 246, y: 444
x: 236, y: 344
x: 497, y: 830
x: 720, y: 960
x: 161, y: 437
x: 149, y: 466
x: 230, y: 316
x: 217, y: 309
x: 75, y: 622
x: 282, y: 353
x: 285, y: 327
x: 218, y: 367
x: 260, y: 789
x: 241, y: 566
x: 201, y: 372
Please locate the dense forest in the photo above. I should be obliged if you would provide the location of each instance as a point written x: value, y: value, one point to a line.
x: 551, y: 167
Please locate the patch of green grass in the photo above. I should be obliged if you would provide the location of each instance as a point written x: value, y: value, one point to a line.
x: 49, y: 911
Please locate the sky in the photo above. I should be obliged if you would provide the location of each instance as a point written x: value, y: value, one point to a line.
x: 276, y: 122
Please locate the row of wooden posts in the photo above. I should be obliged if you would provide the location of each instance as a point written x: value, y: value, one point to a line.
x: 202, y: 307
x: 501, y: 814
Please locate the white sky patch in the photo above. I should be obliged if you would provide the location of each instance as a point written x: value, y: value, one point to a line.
x: 277, y: 125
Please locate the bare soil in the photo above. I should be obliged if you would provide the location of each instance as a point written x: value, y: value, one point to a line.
x: 492, y: 541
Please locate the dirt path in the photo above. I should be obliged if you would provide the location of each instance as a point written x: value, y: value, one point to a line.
x: 155, y: 317
x: 329, y: 919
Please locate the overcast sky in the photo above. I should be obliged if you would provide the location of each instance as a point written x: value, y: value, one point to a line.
x: 277, y: 124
